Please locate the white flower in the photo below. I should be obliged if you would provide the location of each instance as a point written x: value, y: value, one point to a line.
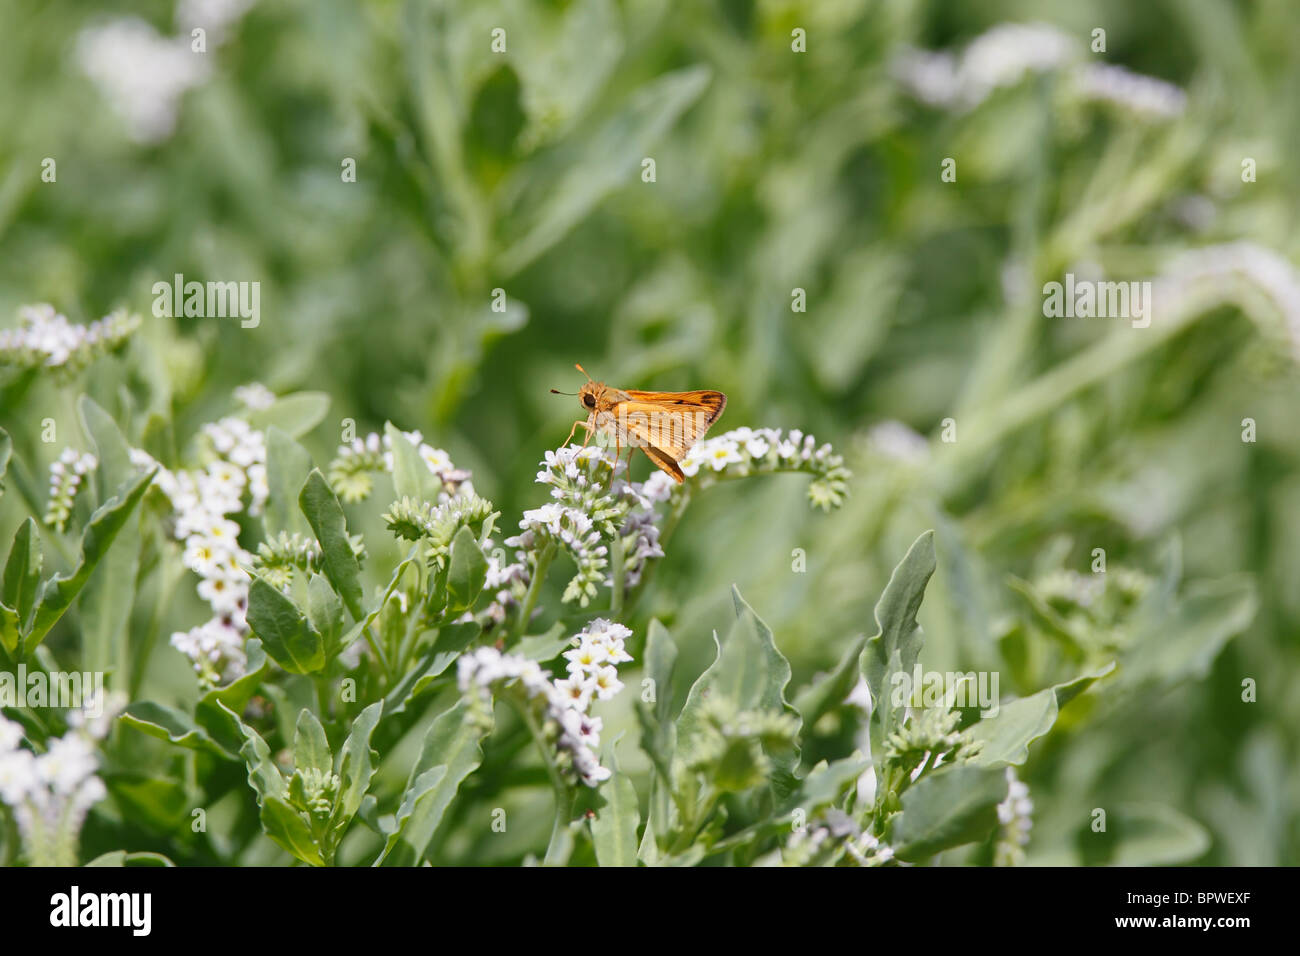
x: 437, y: 459
x: 1144, y: 95
x: 222, y: 594
x: 586, y: 658
x: 258, y: 488
x: 203, y: 557
x: 69, y: 761
x: 605, y: 683
x: 224, y: 475
x: 222, y: 533
x: 254, y: 395
x: 658, y: 487
x: 866, y: 787
x: 574, y: 691
x: 17, y: 776
x: 723, y: 452
x: 11, y: 735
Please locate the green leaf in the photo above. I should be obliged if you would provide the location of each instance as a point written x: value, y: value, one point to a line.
x: 21, y: 577
x: 451, y: 753
x: 1006, y: 735
x: 952, y: 806
x: 287, y: 635
x: 6, y: 450
x: 545, y: 647
x: 109, y: 596
x: 660, y: 660
x: 658, y: 732
x: 610, y: 160
x: 1151, y: 835
x: 150, y: 797
x: 613, y: 829
x: 467, y: 572
x: 897, y: 643
x: 57, y: 593
x: 356, y: 767
x: 210, y: 714
x: 826, y: 783
x: 411, y: 475
x: 281, y: 822
x: 818, y: 698
x: 311, y: 748
x: 447, y: 647
x: 174, y: 726
x: 325, y: 611
x: 10, y: 628
x: 337, y: 558
x: 295, y: 414
x: 749, y: 671
x: 287, y: 466
x: 111, y: 448
x: 287, y: 827
x: 1176, y: 643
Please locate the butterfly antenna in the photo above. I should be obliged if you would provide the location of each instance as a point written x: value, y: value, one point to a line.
x: 556, y: 391
x: 582, y: 370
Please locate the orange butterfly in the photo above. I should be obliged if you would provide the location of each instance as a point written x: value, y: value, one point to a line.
x: 663, y: 424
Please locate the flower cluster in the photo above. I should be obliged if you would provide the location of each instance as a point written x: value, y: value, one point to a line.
x: 733, y: 745
x: 594, y: 506
x: 1217, y: 268
x: 756, y: 451
x: 928, y: 738
x: 351, y: 470
x: 143, y: 74
x: 46, y: 339
x: 436, y: 524
x: 1093, y: 609
x: 834, y: 840
x: 565, y: 704
x: 580, y: 519
x: 254, y: 396
x: 66, y: 474
x: 51, y: 793
x: 1015, y: 821
x: 281, y: 554
x: 203, y: 502
x: 1006, y: 54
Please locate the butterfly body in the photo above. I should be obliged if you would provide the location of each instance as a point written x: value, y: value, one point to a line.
x: 662, y: 424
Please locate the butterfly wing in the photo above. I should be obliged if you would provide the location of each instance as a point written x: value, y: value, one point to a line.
x: 666, y: 424
x: 713, y: 403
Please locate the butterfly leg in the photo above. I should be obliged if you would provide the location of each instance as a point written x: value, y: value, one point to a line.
x: 586, y: 425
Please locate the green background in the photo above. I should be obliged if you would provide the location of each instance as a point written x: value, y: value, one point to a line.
x: 774, y: 170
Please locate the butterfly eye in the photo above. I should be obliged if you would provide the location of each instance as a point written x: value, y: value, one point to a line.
x: 589, y: 400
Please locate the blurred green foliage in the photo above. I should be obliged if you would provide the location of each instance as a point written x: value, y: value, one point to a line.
x: 774, y: 170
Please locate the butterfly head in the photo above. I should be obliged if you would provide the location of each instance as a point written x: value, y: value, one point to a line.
x: 589, y: 395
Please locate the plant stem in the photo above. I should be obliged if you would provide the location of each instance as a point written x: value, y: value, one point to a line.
x: 617, y: 560
x: 564, y: 796
x: 544, y: 559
